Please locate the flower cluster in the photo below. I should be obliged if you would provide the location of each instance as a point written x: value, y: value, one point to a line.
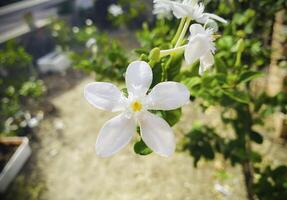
x: 200, y: 42
x: 136, y: 106
x: 187, y: 8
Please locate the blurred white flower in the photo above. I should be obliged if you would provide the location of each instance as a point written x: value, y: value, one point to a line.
x: 55, y: 34
x: 59, y: 125
x: 33, y: 122
x: 200, y: 46
x: 118, y: 131
x: 91, y: 42
x: 75, y: 29
x: 186, y: 8
x: 115, y: 10
x: 92, y: 45
x: 162, y: 8
x: 88, y: 22
x: 222, y: 189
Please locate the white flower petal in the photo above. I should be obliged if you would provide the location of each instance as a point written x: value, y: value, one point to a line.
x: 206, y: 62
x: 157, y: 134
x: 162, y: 7
x: 211, y: 25
x: 138, y: 78
x: 105, y: 96
x: 195, y: 29
x: 114, y: 135
x: 196, y: 47
x: 179, y: 10
x: 168, y: 96
x: 215, y: 17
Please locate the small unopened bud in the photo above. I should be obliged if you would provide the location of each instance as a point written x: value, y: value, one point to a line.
x: 240, y: 45
x: 154, y: 55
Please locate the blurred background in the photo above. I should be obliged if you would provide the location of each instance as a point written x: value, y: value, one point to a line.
x: 49, y: 50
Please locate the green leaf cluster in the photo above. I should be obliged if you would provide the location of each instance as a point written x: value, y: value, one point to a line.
x: 18, y: 86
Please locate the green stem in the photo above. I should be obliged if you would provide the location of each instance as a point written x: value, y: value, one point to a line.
x: 179, y: 29
x: 172, y: 51
x: 238, y: 59
x: 183, y: 32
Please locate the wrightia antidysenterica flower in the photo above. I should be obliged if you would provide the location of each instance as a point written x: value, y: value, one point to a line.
x: 118, y: 131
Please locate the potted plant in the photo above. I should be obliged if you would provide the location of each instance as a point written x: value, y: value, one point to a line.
x: 14, y: 152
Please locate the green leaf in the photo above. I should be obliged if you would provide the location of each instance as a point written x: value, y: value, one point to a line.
x: 173, y: 67
x: 248, y: 76
x: 194, y: 69
x: 255, y: 157
x: 125, y: 92
x: 171, y: 116
x: 256, y: 137
x: 141, y: 148
x: 191, y: 82
x: 157, y: 74
x: 140, y: 51
x: 208, y: 151
x: 238, y: 96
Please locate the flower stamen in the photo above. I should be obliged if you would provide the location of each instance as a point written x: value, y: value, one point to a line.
x: 136, y: 106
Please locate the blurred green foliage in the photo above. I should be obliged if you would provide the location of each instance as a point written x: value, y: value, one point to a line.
x: 134, y: 13
x: 18, y: 85
x: 271, y: 183
x: 91, y: 50
x: 243, y: 53
x: 202, y: 142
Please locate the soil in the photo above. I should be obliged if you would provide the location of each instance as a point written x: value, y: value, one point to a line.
x: 64, y: 165
x: 6, y: 151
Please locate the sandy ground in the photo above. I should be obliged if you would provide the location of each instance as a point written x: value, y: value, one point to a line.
x: 64, y: 165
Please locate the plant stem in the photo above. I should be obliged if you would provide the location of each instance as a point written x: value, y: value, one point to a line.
x: 247, y: 167
x: 238, y: 59
x: 183, y: 32
x: 247, y: 170
x: 172, y: 51
x: 179, y: 29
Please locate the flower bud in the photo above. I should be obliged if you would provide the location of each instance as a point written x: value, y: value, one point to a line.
x: 154, y: 55
x: 240, y: 46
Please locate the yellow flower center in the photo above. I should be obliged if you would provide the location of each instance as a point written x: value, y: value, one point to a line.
x: 136, y: 106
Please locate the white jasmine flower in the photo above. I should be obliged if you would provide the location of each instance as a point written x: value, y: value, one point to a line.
x: 115, y: 10
x: 186, y: 8
x: 155, y: 131
x: 200, y: 46
x: 162, y: 8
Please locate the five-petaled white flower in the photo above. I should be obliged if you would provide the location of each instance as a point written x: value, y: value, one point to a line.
x: 186, y: 8
x: 200, y: 46
x: 155, y: 131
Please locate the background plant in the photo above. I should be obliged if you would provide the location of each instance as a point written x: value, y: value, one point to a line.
x: 91, y: 50
x: 19, y: 88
